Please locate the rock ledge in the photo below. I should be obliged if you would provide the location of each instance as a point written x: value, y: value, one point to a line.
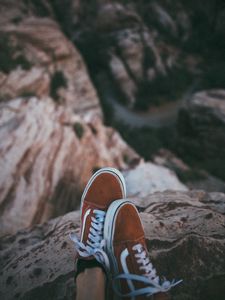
x: 185, y: 236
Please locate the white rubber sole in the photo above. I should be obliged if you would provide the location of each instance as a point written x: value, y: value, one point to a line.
x: 112, y: 171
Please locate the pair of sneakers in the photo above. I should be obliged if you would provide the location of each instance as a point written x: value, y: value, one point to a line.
x: 112, y: 233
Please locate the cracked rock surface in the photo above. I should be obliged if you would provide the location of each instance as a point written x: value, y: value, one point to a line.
x: 184, y: 231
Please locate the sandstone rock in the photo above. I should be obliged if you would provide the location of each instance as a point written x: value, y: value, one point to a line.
x: 44, y: 62
x: 201, y: 135
x: 51, y: 136
x: 47, y: 156
x: 147, y: 178
x: 185, y: 237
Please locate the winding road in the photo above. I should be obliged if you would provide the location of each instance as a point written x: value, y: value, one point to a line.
x: 163, y: 116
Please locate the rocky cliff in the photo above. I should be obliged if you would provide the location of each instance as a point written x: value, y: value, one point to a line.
x: 153, y: 56
x: 185, y: 237
x: 51, y: 124
x: 57, y: 61
x: 47, y: 156
x: 153, y: 50
x: 51, y: 128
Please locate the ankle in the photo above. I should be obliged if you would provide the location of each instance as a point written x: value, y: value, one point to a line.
x: 84, y: 266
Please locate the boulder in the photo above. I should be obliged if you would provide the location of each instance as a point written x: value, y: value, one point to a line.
x: 185, y: 237
x: 52, y: 136
x: 47, y: 156
x: 201, y: 131
x: 147, y: 178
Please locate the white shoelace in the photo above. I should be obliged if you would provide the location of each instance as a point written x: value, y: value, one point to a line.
x: 150, y: 278
x: 95, y: 242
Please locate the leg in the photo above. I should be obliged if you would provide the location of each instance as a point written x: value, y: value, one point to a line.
x: 91, y: 284
x: 105, y: 186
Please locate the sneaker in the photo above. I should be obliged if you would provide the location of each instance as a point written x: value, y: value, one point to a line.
x: 105, y: 186
x: 133, y: 274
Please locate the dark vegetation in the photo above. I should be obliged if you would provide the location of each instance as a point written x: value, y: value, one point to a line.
x: 78, y: 129
x: 145, y: 141
x: 39, y: 7
x: 58, y: 80
x: 64, y: 15
x: 207, y: 40
x: 214, y: 76
x: 10, y: 56
x: 17, y: 20
x: 163, y: 88
x: 27, y: 94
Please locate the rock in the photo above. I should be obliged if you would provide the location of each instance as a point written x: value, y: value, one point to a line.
x: 139, y: 44
x: 147, y: 178
x: 47, y: 255
x: 120, y: 75
x: 201, y: 131
x: 193, y: 178
x: 47, y: 156
x: 44, y: 62
x: 166, y: 158
x: 52, y: 136
x: 153, y: 50
x: 207, y: 182
x: 184, y: 231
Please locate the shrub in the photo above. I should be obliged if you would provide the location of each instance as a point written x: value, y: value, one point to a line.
x: 58, y: 80
x: 78, y: 129
x: 10, y: 56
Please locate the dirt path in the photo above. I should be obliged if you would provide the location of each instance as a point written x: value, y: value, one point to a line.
x: 162, y: 116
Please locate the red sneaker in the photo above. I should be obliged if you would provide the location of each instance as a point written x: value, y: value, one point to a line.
x: 105, y: 186
x: 133, y: 273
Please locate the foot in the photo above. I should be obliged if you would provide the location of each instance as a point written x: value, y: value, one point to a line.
x: 133, y: 273
x: 105, y: 186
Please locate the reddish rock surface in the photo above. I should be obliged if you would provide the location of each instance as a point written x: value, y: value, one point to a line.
x: 44, y: 62
x: 47, y: 157
x: 52, y: 136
